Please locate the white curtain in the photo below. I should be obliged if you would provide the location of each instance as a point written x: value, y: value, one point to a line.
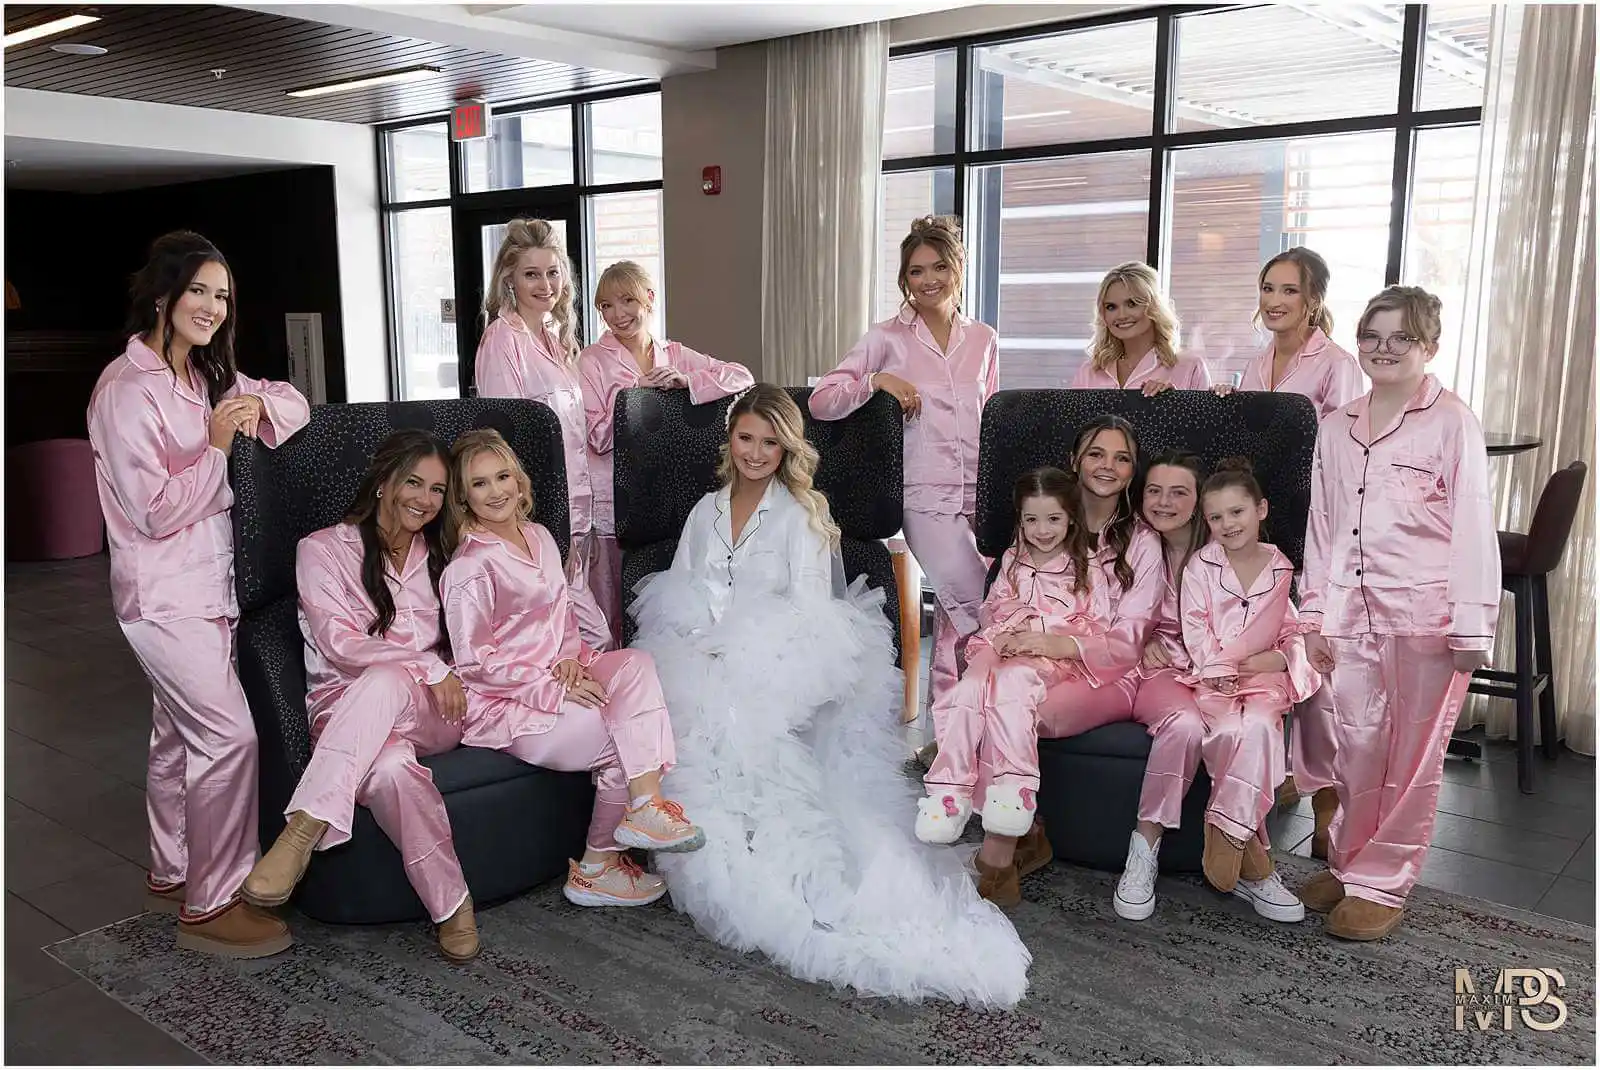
x: 825, y: 101
x: 1529, y: 343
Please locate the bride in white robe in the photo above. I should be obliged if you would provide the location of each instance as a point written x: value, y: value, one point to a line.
x: 784, y: 698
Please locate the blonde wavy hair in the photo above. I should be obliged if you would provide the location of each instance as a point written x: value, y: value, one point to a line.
x: 523, y: 235
x: 625, y: 278
x: 799, y: 466
x: 942, y: 234
x: 459, y: 516
x: 1105, y: 349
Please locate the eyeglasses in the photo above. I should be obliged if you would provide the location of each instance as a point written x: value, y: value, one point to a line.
x: 1396, y: 345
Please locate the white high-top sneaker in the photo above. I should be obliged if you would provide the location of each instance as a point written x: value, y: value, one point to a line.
x: 1135, y: 898
x: 1271, y: 899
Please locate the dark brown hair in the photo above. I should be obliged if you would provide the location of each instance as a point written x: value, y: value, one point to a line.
x: 1050, y: 482
x: 394, y: 459
x: 1197, y: 521
x: 1234, y: 472
x: 175, y: 259
x: 1118, y: 533
x: 942, y: 234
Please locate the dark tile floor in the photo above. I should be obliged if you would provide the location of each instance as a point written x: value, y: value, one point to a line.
x: 78, y: 721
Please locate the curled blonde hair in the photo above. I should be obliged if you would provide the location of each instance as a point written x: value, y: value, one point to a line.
x: 1419, y: 311
x: 521, y: 236
x: 626, y: 278
x: 942, y: 234
x: 459, y: 516
x: 1105, y: 348
x: 799, y: 467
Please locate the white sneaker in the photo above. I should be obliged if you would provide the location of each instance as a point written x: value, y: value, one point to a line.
x: 1008, y: 810
x: 1271, y: 899
x: 1135, y: 897
x: 942, y: 819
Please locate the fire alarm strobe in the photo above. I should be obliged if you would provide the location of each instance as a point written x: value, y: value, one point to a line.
x: 711, y: 181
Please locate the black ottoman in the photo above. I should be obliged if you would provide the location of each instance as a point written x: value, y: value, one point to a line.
x: 1089, y: 798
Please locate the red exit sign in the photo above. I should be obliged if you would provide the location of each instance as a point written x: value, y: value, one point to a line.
x: 469, y: 120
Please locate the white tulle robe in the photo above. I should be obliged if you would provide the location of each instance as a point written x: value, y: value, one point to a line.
x: 784, y: 698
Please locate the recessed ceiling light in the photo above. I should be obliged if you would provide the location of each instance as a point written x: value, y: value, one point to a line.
x: 78, y: 50
x: 409, y: 74
x: 49, y: 29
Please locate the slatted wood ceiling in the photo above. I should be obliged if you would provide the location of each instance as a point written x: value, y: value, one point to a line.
x: 165, y: 53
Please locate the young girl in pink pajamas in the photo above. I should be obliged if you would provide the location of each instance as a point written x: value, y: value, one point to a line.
x: 381, y: 691
x: 1135, y: 344
x: 1402, y: 591
x: 529, y: 349
x: 1039, y: 626
x: 536, y: 690
x: 162, y: 421
x: 942, y: 368
x: 627, y: 356
x: 1248, y: 667
x: 1302, y: 359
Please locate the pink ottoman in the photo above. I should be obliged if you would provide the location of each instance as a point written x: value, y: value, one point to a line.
x: 52, y: 506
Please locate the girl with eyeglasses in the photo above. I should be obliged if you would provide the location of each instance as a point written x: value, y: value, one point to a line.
x: 1401, y: 591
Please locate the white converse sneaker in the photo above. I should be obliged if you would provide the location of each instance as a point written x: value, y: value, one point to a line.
x: 1008, y: 810
x: 942, y: 818
x: 1271, y: 899
x: 1135, y: 897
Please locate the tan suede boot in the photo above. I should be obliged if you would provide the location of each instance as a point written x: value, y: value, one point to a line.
x: 1223, y: 858
x: 1322, y: 892
x: 239, y: 931
x: 1033, y: 850
x: 1288, y: 794
x: 162, y: 898
x: 458, y: 934
x: 1362, y: 919
x: 1257, y: 863
x: 1324, y: 805
x: 999, y: 884
x: 271, y: 882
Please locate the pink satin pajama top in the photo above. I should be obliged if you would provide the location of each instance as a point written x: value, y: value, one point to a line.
x: 1225, y: 622
x: 1321, y: 371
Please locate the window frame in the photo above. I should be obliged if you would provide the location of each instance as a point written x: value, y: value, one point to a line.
x: 1405, y: 122
x: 462, y: 203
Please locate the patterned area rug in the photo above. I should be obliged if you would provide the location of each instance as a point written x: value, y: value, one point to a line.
x: 1204, y: 981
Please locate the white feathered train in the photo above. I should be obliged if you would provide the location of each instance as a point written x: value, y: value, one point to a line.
x: 783, y: 695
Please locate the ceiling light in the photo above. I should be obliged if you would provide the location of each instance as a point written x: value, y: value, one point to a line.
x: 48, y: 29
x: 410, y: 74
x: 72, y: 49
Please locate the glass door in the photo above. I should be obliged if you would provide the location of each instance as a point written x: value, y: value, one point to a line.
x: 479, y: 233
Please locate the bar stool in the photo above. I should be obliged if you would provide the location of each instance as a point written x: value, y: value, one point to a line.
x: 1525, y: 562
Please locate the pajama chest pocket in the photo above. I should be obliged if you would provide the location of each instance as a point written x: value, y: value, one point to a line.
x: 1414, y: 480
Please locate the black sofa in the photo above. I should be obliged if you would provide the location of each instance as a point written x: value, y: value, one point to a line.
x: 1089, y: 784
x: 515, y: 824
x: 666, y: 461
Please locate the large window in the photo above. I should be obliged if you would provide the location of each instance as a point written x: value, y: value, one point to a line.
x: 1202, y: 142
x: 596, y: 161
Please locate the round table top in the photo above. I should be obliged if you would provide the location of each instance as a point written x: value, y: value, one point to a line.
x: 1501, y: 443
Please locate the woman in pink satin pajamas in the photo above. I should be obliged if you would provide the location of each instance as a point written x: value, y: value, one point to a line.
x: 1402, y: 591
x: 537, y: 691
x: 381, y: 691
x: 1248, y: 667
x: 628, y: 356
x: 942, y: 368
x: 529, y: 349
x: 1135, y: 344
x: 1301, y: 359
x: 162, y: 421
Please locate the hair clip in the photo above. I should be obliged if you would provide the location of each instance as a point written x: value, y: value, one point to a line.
x: 727, y: 417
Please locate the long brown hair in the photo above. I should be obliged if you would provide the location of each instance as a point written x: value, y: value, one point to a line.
x: 1118, y: 532
x: 1051, y: 482
x: 942, y: 234
x: 391, y: 462
x: 175, y: 259
x: 1314, y: 279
